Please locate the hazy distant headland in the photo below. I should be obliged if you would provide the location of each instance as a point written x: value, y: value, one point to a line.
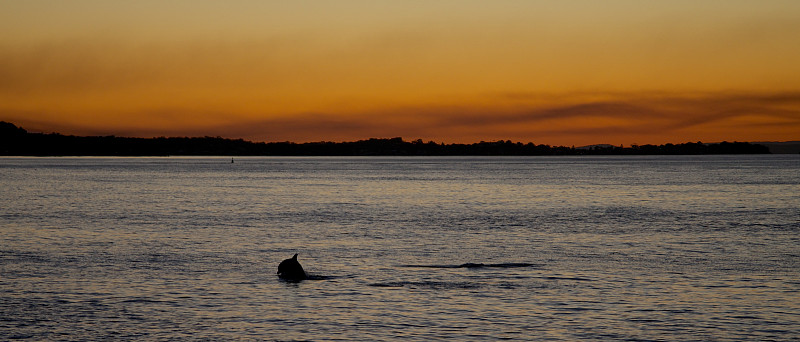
x: 16, y: 141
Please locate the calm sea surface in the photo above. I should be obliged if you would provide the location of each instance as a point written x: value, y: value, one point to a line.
x: 664, y: 248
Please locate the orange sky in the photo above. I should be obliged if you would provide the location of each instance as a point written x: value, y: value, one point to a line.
x: 549, y: 72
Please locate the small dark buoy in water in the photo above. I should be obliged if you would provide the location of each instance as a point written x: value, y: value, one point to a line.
x: 231, y: 160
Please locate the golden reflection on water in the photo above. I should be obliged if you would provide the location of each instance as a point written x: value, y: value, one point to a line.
x: 600, y: 249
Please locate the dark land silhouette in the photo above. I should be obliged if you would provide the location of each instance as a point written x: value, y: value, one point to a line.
x: 16, y: 141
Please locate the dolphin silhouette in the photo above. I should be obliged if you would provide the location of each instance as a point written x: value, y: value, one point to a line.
x: 290, y: 269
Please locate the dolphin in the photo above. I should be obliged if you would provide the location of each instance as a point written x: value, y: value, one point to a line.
x: 290, y: 269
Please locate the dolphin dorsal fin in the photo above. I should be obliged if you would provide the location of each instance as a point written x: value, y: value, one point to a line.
x: 294, y: 257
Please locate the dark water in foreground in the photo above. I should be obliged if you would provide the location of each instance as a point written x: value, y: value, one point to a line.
x: 685, y: 248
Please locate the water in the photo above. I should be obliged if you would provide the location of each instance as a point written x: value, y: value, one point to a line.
x: 664, y: 248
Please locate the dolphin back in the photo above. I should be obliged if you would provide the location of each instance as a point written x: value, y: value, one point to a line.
x: 291, y: 269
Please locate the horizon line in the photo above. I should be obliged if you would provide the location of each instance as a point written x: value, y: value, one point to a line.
x: 392, y: 138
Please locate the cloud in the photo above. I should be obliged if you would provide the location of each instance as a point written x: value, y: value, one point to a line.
x: 616, y: 118
x: 654, y: 119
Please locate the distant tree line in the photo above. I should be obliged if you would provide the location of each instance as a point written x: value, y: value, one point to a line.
x: 16, y: 141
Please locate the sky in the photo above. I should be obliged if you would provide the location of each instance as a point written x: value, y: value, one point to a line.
x: 571, y: 72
